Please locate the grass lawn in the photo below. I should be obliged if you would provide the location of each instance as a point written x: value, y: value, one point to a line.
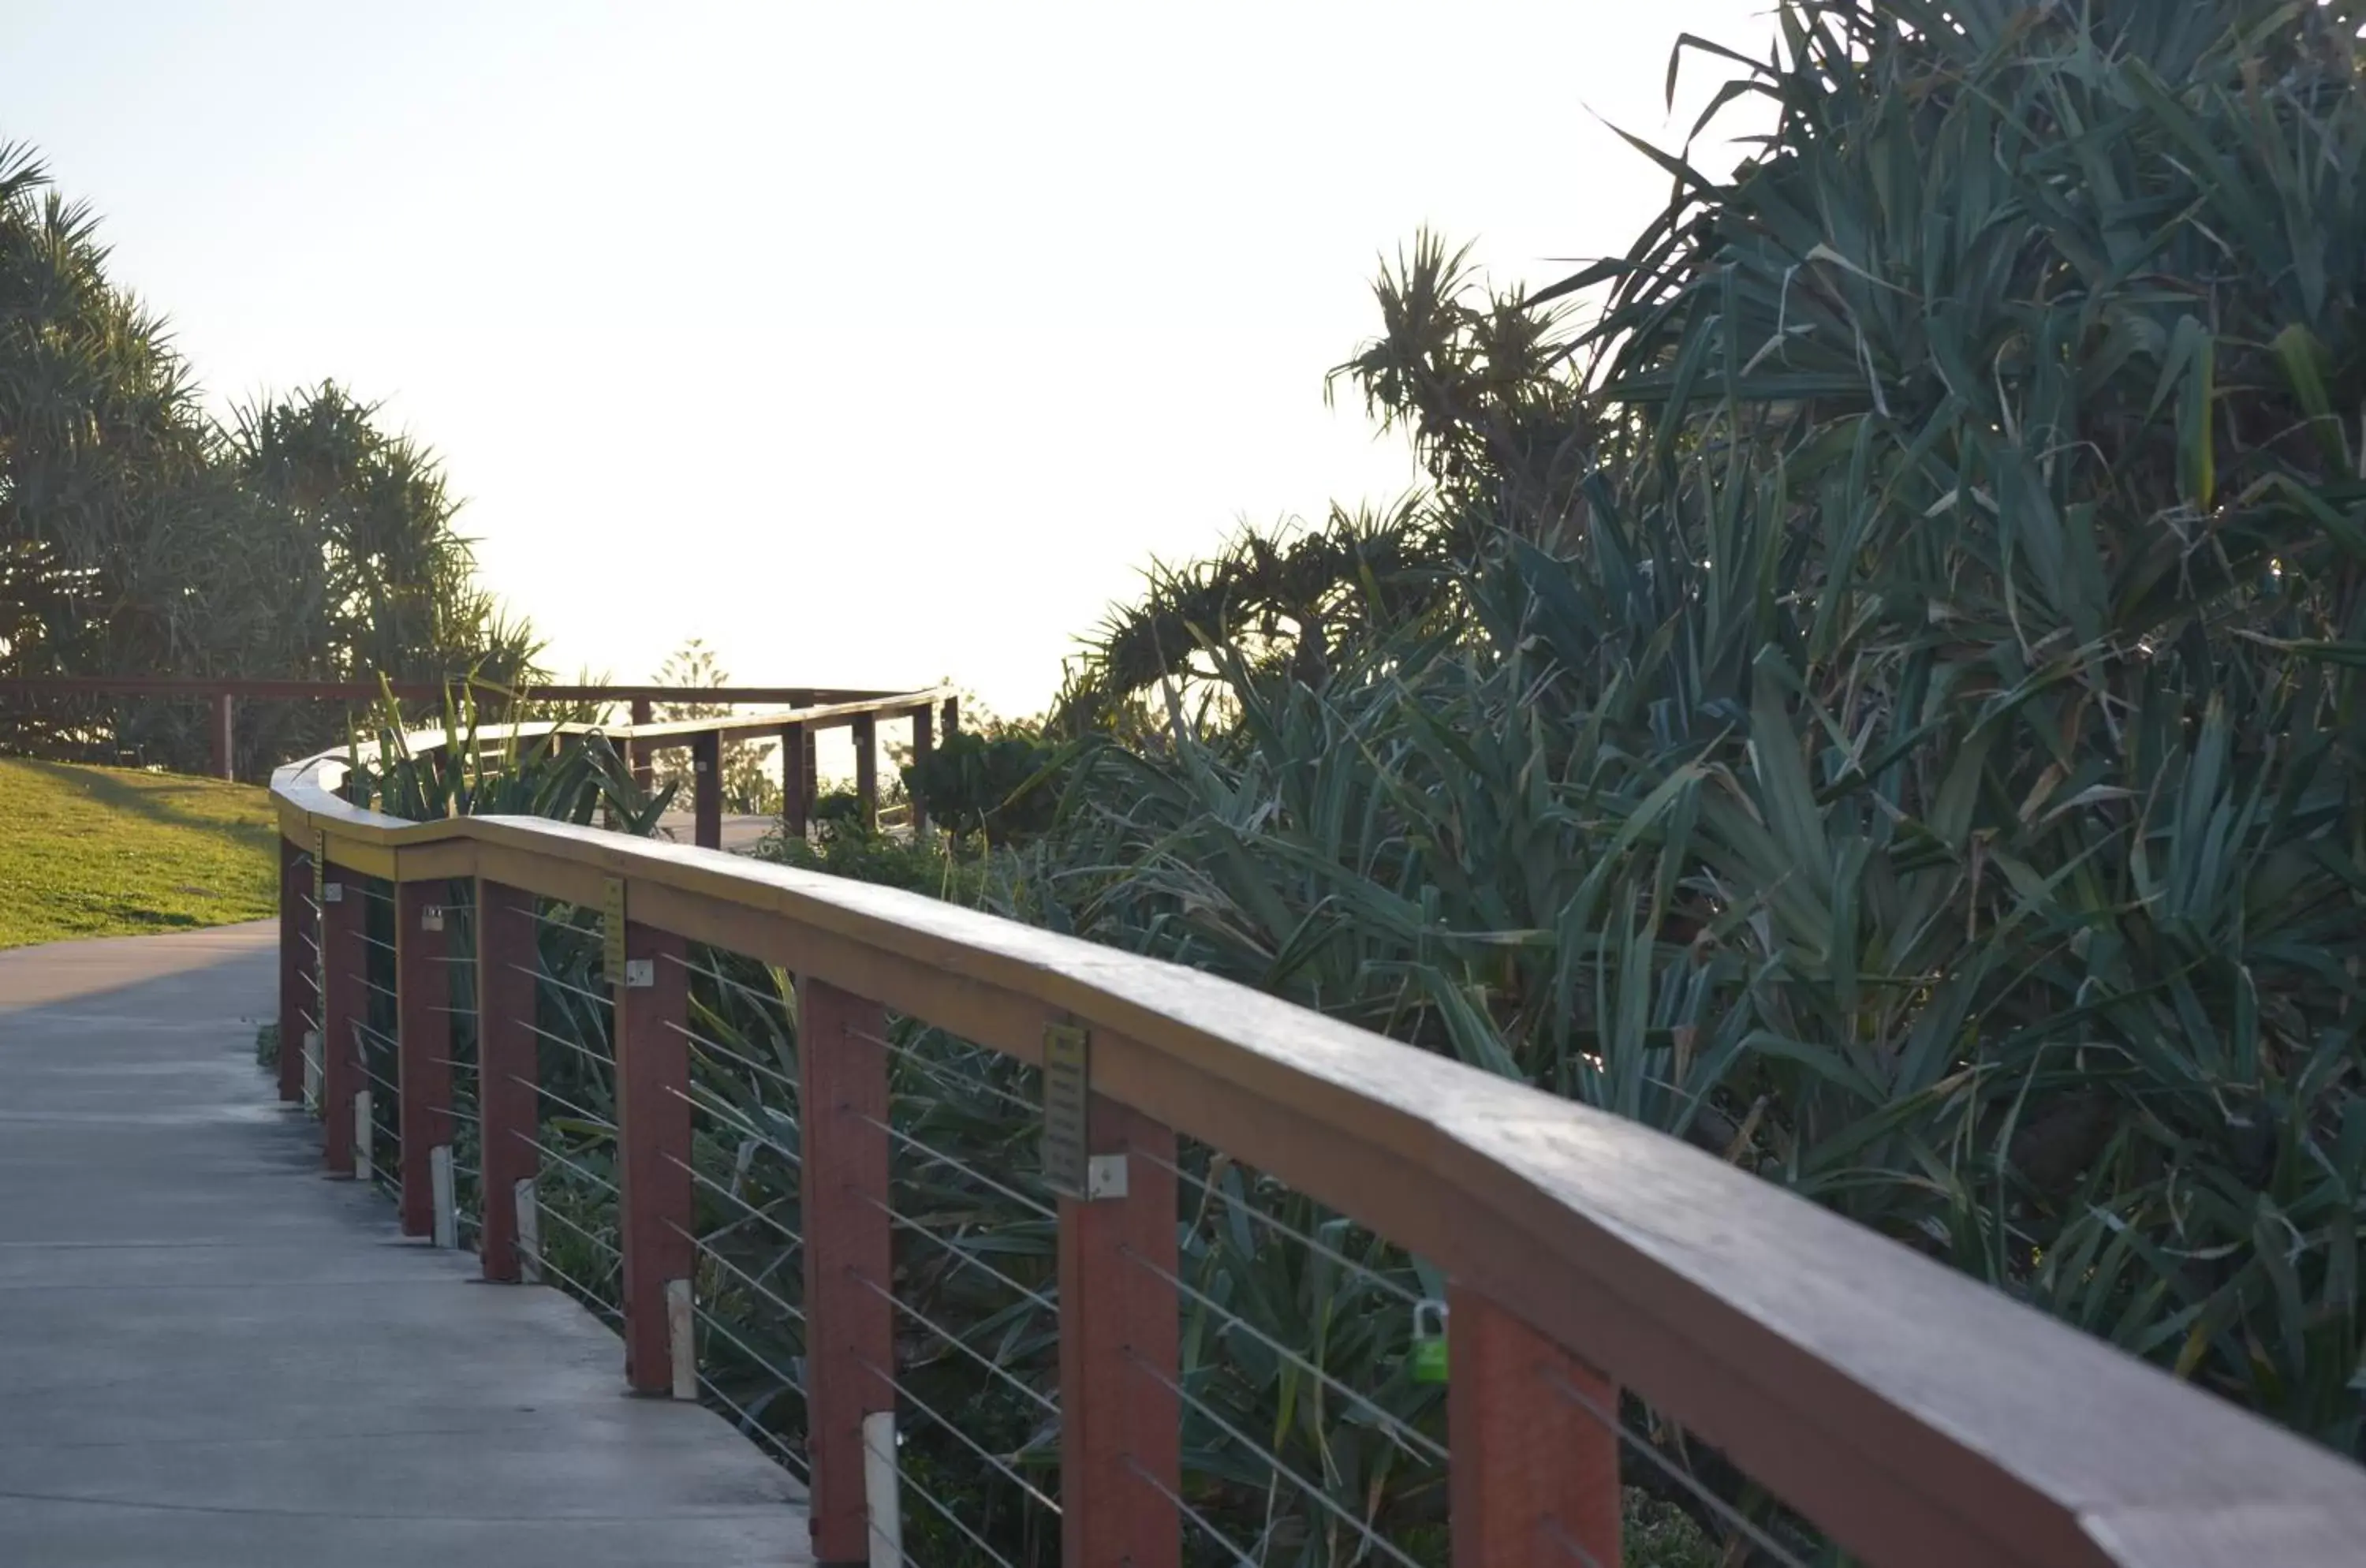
x: 115, y: 851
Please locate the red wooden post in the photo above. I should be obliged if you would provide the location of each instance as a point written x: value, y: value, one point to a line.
x: 813, y: 767
x: 1533, y: 1471
x: 653, y: 1146
x: 866, y: 768
x: 507, y: 1072
x: 1120, y: 1417
x: 644, y: 773
x: 797, y: 799
x: 344, y: 1002
x: 707, y: 775
x: 225, y: 736
x: 296, y: 969
x: 422, y: 1037
x: 924, y: 746
x: 849, y: 1327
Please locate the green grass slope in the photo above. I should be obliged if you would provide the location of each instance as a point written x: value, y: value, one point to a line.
x: 114, y: 852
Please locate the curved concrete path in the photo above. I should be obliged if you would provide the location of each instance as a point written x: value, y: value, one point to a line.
x: 212, y: 1355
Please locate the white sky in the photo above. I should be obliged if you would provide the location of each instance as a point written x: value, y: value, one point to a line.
x: 873, y: 344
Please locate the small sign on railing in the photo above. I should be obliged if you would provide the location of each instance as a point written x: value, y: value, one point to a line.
x: 1067, y: 1086
x: 611, y: 932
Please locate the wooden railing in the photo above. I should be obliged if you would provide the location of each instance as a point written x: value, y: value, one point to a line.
x: 797, y: 729
x: 1918, y: 1418
x: 223, y: 695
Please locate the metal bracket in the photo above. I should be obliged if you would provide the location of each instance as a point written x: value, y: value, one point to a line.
x: 439, y: 1179
x: 333, y: 893
x: 431, y: 918
x: 1105, y: 1176
x: 529, y: 1231
x: 640, y: 974
x: 681, y: 1341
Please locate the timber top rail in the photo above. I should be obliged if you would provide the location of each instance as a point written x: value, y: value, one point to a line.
x: 819, y: 707
x: 1919, y: 1419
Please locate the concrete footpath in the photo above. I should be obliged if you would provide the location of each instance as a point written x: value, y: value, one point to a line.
x: 212, y: 1355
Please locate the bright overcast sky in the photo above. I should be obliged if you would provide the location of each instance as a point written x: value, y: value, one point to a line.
x: 872, y: 344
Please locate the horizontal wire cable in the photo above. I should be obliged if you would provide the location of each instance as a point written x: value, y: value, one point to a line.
x: 903, y: 1392
x: 553, y: 982
x: 753, y: 1213
x: 748, y: 1350
x: 752, y: 1429
x: 769, y: 999
x: 593, y: 1177
x: 736, y: 1273
x: 939, y: 1070
x: 1273, y: 1459
x: 381, y: 946
x: 936, y: 1155
x: 737, y: 1124
x: 1671, y: 1469
x: 1402, y: 1292
x: 590, y: 1297
x: 564, y: 1103
x: 959, y: 1252
x: 880, y: 1537
x: 369, y: 984
x: 718, y: 1048
x: 602, y: 1243
x: 957, y: 1342
x: 1190, y: 1513
x: 947, y: 1514
x: 1404, y: 1429
x: 575, y: 1045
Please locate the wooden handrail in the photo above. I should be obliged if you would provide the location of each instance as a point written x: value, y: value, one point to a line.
x: 1919, y: 1418
x: 271, y: 690
x: 816, y: 707
x: 820, y: 716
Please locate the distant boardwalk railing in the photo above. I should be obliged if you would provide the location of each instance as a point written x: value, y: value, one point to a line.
x: 222, y: 696
x: 1603, y: 1284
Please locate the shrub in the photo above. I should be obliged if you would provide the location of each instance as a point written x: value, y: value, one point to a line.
x: 999, y: 783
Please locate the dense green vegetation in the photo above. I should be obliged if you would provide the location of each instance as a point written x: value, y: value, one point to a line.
x: 1893, y: 720
x: 115, y: 851
x: 140, y: 535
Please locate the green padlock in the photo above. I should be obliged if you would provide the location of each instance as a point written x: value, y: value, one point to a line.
x: 1429, y: 1341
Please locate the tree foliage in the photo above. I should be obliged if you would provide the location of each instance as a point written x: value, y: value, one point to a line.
x: 139, y: 536
x: 746, y: 786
